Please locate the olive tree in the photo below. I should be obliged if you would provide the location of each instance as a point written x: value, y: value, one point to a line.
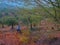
x: 1, y: 22
x: 11, y: 21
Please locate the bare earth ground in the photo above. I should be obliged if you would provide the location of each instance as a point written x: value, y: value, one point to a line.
x: 11, y: 38
x: 47, y: 37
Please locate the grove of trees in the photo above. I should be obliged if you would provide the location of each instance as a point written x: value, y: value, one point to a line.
x: 41, y: 9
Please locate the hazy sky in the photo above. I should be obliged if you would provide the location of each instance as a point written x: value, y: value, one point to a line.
x: 18, y: 3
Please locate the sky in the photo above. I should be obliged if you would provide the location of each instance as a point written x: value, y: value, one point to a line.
x: 14, y: 3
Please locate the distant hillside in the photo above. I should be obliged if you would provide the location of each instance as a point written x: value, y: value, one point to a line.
x: 7, y: 9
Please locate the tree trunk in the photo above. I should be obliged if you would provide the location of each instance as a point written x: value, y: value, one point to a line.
x: 2, y: 26
x: 31, y: 26
x: 12, y: 26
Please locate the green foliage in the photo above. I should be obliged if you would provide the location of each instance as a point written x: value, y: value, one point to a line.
x: 2, y: 20
x: 36, y: 18
x: 11, y: 21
